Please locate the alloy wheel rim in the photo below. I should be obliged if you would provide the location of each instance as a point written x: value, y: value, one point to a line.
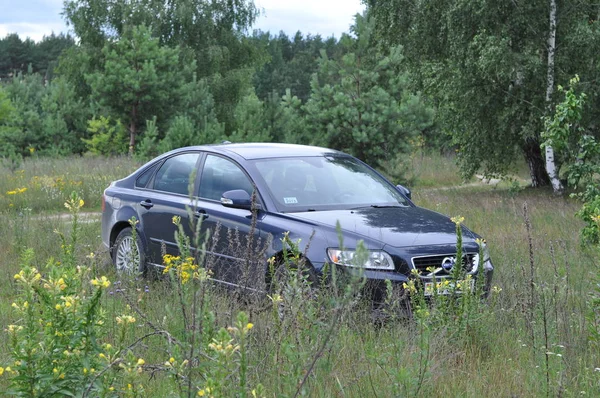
x: 128, y: 255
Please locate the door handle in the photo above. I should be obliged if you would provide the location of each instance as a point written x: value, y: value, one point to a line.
x: 146, y: 203
x: 201, y: 214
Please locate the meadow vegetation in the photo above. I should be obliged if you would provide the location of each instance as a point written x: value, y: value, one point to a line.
x: 78, y: 327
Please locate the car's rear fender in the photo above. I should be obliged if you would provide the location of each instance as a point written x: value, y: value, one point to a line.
x: 123, y: 219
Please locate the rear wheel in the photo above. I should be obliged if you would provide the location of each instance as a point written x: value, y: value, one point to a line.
x: 128, y: 254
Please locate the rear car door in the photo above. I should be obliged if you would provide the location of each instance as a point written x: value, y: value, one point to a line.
x: 166, y: 197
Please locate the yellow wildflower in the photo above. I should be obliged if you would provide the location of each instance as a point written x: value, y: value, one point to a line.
x: 141, y: 362
x: 276, y: 298
x: 125, y: 319
x: 457, y: 220
x: 102, y: 282
x: 14, y: 328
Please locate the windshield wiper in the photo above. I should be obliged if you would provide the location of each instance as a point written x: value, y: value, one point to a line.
x: 376, y: 207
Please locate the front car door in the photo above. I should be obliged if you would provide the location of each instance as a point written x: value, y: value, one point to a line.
x: 230, y: 257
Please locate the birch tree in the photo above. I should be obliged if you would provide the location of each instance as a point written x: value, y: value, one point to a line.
x: 550, y: 162
x: 490, y: 69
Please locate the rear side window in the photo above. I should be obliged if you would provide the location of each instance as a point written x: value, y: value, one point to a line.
x: 143, y: 179
x: 174, y: 174
x: 221, y: 175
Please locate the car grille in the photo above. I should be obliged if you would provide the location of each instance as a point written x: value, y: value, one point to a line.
x: 425, y: 263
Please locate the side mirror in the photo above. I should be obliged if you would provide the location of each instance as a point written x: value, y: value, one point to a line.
x: 237, y: 199
x: 404, y: 190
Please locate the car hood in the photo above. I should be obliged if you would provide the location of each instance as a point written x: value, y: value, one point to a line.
x: 394, y: 226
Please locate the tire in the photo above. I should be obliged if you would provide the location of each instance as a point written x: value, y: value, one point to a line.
x: 128, y: 254
x: 278, y: 284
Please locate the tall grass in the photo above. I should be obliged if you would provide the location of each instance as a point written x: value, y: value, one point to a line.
x: 530, y: 338
x: 42, y: 184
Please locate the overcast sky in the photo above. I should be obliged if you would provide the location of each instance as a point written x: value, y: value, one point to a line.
x: 36, y: 18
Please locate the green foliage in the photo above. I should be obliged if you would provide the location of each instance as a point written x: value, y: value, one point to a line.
x: 210, y: 32
x: 138, y: 79
x: 563, y: 129
x: 398, y: 358
x: 6, y: 110
x: 362, y: 105
x: 55, y: 348
x: 292, y: 61
x: 199, y: 106
x: 251, y: 121
x: 5, y: 107
x: 291, y: 120
x: 48, y: 119
x: 149, y: 145
x: 579, y: 152
x: 108, y: 137
x: 18, y: 56
x: 483, y: 65
x: 63, y: 121
x: 593, y: 316
x: 181, y: 133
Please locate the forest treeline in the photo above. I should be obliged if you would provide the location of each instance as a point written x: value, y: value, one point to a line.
x: 145, y: 76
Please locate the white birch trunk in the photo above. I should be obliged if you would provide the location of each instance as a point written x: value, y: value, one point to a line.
x: 550, y: 164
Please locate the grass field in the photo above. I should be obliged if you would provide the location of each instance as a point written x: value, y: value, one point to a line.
x: 533, y: 337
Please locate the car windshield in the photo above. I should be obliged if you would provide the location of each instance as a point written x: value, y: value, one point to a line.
x: 325, y: 183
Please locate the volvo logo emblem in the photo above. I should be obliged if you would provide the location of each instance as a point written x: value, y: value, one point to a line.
x: 448, y: 263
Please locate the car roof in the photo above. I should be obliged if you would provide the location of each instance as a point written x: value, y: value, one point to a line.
x: 261, y: 150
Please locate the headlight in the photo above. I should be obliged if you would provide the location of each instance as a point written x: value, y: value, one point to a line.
x: 377, y: 259
x: 485, y: 250
x: 476, y: 260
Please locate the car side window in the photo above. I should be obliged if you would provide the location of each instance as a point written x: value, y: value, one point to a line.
x: 174, y: 174
x: 143, y: 179
x: 221, y: 175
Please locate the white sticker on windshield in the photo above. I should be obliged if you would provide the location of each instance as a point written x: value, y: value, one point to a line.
x: 290, y: 200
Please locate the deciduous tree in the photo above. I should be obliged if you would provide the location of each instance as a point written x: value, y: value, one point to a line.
x: 486, y: 66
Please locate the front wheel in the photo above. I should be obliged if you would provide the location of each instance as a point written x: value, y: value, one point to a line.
x: 128, y: 255
x: 291, y: 286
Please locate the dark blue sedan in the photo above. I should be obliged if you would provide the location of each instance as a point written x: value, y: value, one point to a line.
x: 302, y: 190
